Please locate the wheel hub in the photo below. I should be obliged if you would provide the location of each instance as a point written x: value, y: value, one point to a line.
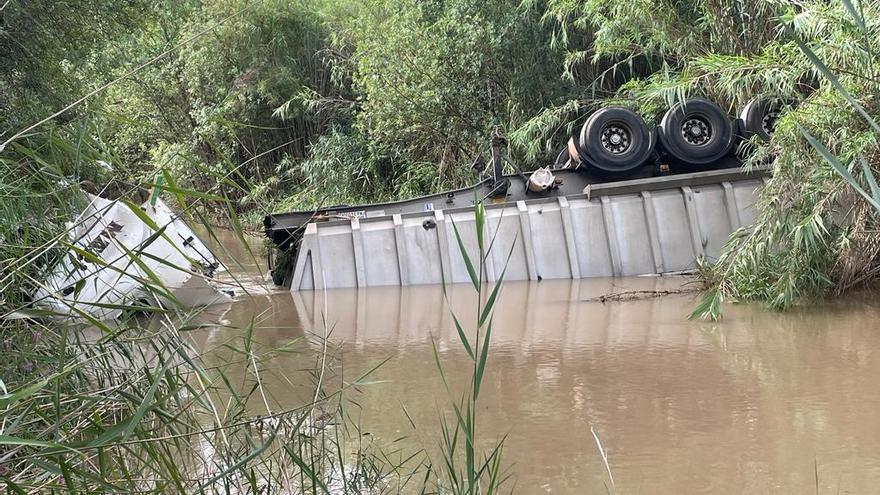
x: 616, y: 139
x: 696, y: 131
x: 768, y: 122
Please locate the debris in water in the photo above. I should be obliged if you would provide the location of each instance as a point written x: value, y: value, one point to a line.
x: 635, y: 295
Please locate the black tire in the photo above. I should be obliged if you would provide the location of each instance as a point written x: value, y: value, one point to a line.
x: 616, y: 139
x: 759, y: 117
x: 696, y: 132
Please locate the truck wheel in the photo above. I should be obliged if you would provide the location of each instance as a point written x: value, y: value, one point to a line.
x: 697, y: 132
x: 759, y: 117
x: 616, y: 139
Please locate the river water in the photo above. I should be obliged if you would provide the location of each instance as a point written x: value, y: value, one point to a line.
x: 759, y: 402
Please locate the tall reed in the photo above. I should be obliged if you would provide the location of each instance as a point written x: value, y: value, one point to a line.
x: 478, y: 472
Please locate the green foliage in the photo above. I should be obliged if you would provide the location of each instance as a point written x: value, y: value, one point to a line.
x: 433, y: 78
x: 110, y: 411
x: 231, y: 96
x: 665, y: 32
x: 812, y: 234
x: 280, y: 104
x: 341, y: 165
x: 270, y: 86
x: 48, y: 52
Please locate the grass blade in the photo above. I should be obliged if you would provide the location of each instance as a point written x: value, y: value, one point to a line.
x: 462, y: 337
x: 826, y: 72
x: 481, y: 363
x: 475, y: 280
x: 838, y: 167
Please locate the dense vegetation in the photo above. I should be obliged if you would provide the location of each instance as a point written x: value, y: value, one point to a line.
x: 297, y: 104
x: 251, y: 106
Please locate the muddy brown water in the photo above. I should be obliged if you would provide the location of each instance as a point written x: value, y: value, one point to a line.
x: 756, y: 403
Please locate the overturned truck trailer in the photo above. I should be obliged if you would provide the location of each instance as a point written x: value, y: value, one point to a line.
x: 627, y: 228
x: 589, y: 216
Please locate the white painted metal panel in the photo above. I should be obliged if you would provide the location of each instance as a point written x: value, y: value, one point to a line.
x: 673, y: 231
x: 548, y: 241
x: 590, y: 238
x: 337, y: 253
x: 380, y: 253
x: 464, y: 222
x: 422, y: 252
x: 505, y: 233
x: 746, y: 194
x: 713, y: 219
x: 631, y: 231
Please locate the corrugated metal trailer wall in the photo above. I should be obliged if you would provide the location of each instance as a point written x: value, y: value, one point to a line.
x: 605, y: 232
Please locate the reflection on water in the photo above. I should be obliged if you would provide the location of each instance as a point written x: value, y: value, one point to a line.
x: 746, y: 405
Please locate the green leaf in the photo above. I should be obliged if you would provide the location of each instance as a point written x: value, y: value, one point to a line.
x: 30, y: 442
x: 461, y: 334
x: 142, y: 215
x: 479, y: 221
x: 484, y: 356
x: 123, y: 429
x: 709, y: 307
x: 437, y: 362
x: 869, y: 178
x: 826, y: 72
x: 172, y: 186
x: 463, y: 337
x: 857, y: 17
x: 838, y: 167
x: 490, y: 303
x: 475, y: 280
x: 7, y: 400
x: 191, y: 193
x: 244, y: 460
